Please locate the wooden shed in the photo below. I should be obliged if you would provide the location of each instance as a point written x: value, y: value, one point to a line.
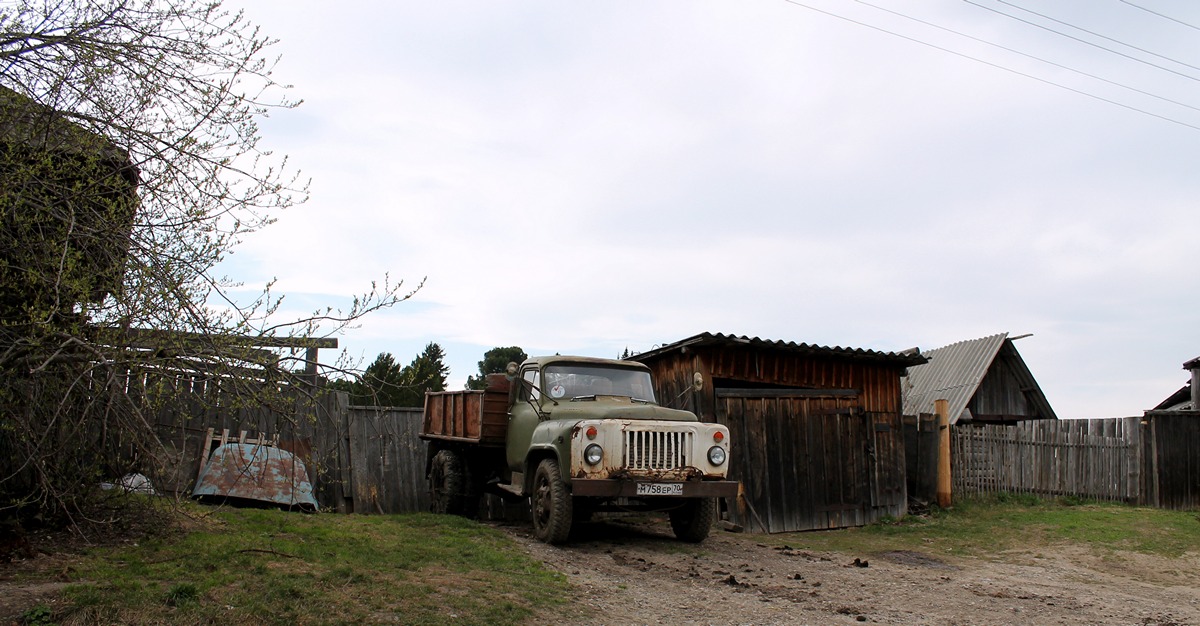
x: 815, y: 431
x: 983, y: 380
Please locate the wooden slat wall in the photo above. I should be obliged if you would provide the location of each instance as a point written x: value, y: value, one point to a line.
x: 813, y: 462
x: 1097, y: 458
x: 1173, y: 445
x: 878, y: 384
x: 359, y: 459
x: 804, y: 463
x: 313, y: 426
x: 388, y: 460
x: 999, y: 393
x: 921, y: 456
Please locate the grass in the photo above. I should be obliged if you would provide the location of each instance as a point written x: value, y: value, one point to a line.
x: 246, y: 566
x: 271, y: 567
x: 987, y: 528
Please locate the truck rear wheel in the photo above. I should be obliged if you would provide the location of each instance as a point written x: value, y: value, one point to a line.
x: 447, y: 484
x: 551, y: 504
x: 692, y: 521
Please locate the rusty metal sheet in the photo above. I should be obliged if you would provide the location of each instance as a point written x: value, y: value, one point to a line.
x: 256, y: 472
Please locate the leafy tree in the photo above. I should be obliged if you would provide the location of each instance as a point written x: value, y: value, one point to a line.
x: 494, y: 362
x: 132, y: 165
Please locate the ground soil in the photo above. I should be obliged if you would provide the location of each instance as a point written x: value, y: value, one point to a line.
x: 634, y: 572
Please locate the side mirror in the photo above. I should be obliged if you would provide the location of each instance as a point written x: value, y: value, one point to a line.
x: 698, y: 382
x: 510, y: 370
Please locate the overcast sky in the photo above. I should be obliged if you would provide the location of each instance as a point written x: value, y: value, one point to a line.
x: 590, y: 177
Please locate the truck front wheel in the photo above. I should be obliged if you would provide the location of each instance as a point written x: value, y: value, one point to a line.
x: 551, y: 504
x: 692, y: 521
x: 447, y: 483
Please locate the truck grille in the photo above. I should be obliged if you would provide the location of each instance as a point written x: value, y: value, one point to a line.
x: 657, y: 450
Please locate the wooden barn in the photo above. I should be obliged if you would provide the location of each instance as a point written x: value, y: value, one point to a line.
x: 815, y: 431
x: 983, y: 380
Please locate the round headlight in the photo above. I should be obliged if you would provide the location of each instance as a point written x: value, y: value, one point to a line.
x: 593, y: 453
x: 716, y: 455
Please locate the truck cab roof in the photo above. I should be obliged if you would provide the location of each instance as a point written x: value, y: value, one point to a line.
x: 547, y: 360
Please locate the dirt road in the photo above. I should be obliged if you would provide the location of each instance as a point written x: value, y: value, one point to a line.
x: 636, y: 573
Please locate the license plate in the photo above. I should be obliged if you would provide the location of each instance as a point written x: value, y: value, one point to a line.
x: 660, y: 489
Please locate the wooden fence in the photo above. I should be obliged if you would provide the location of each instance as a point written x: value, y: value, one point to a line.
x: 387, y: 459
x: 1152, y: 460
x: 360, y: 459
x: 1093, y: 458
x: 371, y: 460
x: 1172, y: 456
x: 309, y: 423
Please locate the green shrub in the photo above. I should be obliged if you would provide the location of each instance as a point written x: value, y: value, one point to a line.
x: 40, y: 615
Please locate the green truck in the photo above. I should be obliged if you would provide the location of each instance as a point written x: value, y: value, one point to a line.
x: 576, y: 436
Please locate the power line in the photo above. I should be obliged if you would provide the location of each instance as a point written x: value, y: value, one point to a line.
x: 1029, y: 56
x: 995, y: 65
x: 1165, y: 17
x: 1083, y: 41
x: 1095, y: 34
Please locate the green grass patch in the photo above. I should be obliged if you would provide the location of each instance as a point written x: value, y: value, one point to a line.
x: 988, y: 528
x: 257, y: 566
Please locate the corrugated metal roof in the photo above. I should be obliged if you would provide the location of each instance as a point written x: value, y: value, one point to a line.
x: 907, y: 357
x: 953, y: 373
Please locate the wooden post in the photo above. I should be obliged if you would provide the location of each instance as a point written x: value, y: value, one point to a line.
x: 205, y: 448
x: 310, y: 365
x: 942, y: 408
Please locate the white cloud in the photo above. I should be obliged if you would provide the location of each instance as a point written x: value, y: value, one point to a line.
x: 594, y: 177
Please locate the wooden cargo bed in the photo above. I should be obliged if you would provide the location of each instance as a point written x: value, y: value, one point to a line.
x: 479, y: 417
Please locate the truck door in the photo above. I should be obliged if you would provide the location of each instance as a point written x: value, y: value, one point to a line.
x: 523, y: 418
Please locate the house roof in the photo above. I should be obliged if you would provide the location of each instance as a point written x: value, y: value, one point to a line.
x: 954, y: 373
x: 1180, y: 400
x: 905, y: 358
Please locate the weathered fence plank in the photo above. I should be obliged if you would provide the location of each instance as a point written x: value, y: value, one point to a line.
x: 389, y: 460
x: 1085, y: 458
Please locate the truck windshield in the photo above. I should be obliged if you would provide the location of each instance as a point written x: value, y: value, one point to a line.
x: 568, y: 380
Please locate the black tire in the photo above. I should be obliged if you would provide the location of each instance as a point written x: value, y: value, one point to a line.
x: 692, y: 521
x: 447, y: 484
x: 551, y: 504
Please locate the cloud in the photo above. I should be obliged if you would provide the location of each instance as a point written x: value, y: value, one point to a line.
x: 586, y: 178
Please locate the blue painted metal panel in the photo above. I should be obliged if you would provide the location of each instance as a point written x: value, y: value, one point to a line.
x: 256, y: 472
